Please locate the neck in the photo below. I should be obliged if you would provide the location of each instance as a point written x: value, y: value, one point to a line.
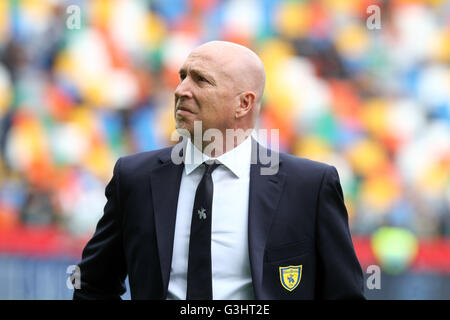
x: 214, y: 145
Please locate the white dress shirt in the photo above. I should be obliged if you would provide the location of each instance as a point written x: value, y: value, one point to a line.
x: 231, y: 276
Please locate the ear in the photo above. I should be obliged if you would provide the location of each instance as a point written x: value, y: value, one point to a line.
x: 246, y: 103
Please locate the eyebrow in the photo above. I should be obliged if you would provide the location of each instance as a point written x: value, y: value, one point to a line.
x: 198, y: 72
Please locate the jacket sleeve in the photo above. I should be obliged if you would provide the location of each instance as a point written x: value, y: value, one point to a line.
x: 339, y: 272
x: 102, y: 270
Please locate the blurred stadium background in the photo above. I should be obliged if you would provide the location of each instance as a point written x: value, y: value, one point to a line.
x: 373, y: 102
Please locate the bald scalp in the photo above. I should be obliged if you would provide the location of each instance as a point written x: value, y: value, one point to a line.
x: 240, y: 64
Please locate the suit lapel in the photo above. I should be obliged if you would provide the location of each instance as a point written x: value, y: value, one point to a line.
x: 264, y: 195
x: 165, y: 186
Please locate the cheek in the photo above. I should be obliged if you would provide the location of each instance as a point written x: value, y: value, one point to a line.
x: 228, y: 107
x: 217, y: 109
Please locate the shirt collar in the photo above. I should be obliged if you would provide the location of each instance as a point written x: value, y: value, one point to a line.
x: 236, y: 160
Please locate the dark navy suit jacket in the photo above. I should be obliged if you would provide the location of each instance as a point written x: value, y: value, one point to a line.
x: 296, y: 217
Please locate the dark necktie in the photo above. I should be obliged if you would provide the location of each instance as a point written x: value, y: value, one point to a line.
x: 199, y: 279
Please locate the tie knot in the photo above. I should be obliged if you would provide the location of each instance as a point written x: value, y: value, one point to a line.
x: 210, y: 166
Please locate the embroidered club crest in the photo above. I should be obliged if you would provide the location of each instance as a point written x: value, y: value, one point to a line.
x: 201, y: 214
x: 290, y: 276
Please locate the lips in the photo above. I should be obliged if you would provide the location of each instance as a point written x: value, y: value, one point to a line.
x: 185, y: 109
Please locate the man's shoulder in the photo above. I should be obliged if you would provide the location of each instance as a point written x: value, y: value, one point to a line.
x: 290, y: 161
x: 305, y: 172
x: 302, y: 163
x: 303, y: 169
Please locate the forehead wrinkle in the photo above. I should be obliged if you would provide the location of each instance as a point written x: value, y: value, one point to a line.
x: 196, y: 62
x: 194, y: 69
x: 238, y: 65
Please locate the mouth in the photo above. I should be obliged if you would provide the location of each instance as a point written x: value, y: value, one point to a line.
x: 184, y: 110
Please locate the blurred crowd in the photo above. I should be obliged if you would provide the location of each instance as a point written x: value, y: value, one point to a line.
x: 374, y: 102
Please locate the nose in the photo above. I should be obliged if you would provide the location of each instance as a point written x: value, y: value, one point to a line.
x: 183, y: 89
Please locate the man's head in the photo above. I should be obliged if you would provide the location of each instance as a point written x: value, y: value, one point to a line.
x: 221, y: 84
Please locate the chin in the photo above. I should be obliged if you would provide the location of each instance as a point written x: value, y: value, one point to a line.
x: 184, y: 129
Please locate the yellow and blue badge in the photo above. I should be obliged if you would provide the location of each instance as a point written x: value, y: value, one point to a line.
x: 290, y: 276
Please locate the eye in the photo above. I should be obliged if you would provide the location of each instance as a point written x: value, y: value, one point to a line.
x: 200, y: 78
x: 182, y: 74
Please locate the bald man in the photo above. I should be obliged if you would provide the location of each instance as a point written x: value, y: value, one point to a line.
x: 198, y: 222
x: 222, y: 84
